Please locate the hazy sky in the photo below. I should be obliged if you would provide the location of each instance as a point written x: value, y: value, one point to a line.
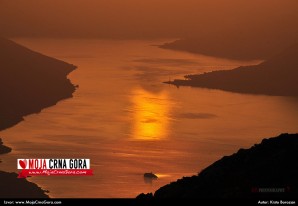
x: 147, y: 18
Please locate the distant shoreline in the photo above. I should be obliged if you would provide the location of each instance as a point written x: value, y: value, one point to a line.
x: 276, y: 77
x: 228, y: 48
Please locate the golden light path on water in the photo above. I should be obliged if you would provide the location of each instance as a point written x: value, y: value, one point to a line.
x: 150, y: 115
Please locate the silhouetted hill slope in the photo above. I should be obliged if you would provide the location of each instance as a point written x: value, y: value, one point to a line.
x: 13, y: 187
x: 276, y: 76
x: 29, y: 82
x: 260, y: 171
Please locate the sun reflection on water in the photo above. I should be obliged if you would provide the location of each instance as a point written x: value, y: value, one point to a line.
x: 150, y: 115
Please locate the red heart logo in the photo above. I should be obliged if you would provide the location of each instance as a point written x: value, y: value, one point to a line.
x: 23, y: 163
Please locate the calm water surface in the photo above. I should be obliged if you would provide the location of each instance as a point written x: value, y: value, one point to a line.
x: 127, y: 122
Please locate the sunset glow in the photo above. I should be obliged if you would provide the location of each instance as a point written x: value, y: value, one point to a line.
x: 150, y: 117
x: 148, y: 99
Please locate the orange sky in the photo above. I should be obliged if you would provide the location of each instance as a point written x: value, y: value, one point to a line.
x: 147, y: 18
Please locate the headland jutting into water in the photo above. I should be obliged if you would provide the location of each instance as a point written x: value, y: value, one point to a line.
x: 30, y: 82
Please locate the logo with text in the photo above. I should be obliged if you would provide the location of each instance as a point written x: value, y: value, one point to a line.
x: 47, y: 167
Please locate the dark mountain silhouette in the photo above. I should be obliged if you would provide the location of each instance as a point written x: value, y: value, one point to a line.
x: 29, y: 82
x: 268, y: 169
x: 276, y: 76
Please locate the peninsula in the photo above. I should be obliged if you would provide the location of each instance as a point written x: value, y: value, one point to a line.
x: 276, y: 76
x: 30, y: 82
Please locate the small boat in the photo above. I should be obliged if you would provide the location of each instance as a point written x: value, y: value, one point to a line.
x: 150, y: 175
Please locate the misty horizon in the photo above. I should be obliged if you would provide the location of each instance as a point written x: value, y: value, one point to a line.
x: 149, y: 19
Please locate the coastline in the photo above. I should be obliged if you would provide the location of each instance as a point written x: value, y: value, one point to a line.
x: 17, y: 187
x: 14, y: 187
x: 228, y: 48
x: 268, y: 166
x: 30, y: 82
x: 4, y: 149
x: 275, y: 77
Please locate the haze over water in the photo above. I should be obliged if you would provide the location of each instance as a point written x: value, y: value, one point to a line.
x: 127, y: 122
